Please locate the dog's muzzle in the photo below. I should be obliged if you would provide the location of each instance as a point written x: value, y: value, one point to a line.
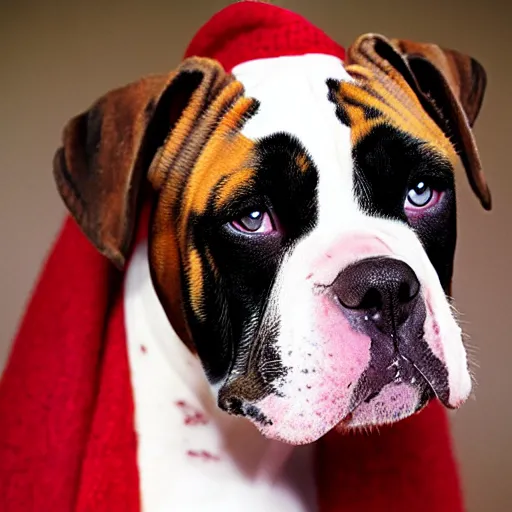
x: 381, y: 298
x: 368, y: 363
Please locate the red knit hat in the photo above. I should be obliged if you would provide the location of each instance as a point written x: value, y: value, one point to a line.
x: 248, y: 31
x: 67, y: 436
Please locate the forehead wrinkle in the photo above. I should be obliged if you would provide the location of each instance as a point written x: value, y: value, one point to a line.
x: 219, y: 155
x: 173, y: 162
x: 408, y: 103
x: 392, y: 111
x: 177, y: 138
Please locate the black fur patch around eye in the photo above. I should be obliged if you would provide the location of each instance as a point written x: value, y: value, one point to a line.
x: 237, y: 290
x: 387, y: 163
x: 292, y: 190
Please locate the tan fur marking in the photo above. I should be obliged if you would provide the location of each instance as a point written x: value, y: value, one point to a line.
x: 302, y: 162
x: 224, y: 154
x: 211, y: 262
x: 237, y: 115
x: 212, y: 150
x: 233, y: 182
x: 399, y: 107
x: 214, y: 78
x: 168, y: 175
x: 357, y: 71
x: 195, y: 282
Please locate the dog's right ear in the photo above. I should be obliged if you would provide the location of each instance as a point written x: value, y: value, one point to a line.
x: 108, y: 149
x: 449, y: 85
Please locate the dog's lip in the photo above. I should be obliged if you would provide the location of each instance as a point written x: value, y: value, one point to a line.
x: 414, y: 379
x: 426, y: 394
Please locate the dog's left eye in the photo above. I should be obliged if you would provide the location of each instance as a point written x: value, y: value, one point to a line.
x: 421, y: 196
x: 257, y: 221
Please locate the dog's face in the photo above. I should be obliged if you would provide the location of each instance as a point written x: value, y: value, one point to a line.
x: 303, y: 227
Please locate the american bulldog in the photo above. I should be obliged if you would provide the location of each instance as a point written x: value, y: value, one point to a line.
x: 297, y: 271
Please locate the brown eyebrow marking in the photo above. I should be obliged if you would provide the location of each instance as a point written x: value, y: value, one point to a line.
x: 234, y: 182
x: 371, y: 100
x: 219, y: 161
x: 224, y: 153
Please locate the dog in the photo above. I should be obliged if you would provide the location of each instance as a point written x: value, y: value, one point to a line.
x: 298, y: 267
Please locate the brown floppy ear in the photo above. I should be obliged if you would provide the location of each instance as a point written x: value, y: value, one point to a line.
x: 108, y: 149
x: 449, y: 85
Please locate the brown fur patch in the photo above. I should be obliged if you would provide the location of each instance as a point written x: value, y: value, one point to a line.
x: 392, y: 102
x: 208, y: 154
x: 194, y: 273
x: 302, y: 162
x: 232, y: 184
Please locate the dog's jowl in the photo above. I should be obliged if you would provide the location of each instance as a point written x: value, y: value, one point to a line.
x: 303, y: 223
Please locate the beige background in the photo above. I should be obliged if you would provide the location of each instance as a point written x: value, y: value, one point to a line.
x: 57, y: 57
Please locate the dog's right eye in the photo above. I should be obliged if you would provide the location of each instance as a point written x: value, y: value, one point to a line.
x: 421, y: 198
x: 257, y: 222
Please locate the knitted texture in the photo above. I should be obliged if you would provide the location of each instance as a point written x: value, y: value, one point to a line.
x: 250, y: 30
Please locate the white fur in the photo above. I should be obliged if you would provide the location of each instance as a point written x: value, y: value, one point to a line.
x: 251, y: 473
x: 292, y: 92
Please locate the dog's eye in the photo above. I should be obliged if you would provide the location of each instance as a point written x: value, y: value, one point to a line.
x: 257, y: 221
x: 421, y: 196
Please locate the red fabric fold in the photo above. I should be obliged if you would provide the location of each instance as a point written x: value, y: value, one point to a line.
x: 66, y: 411
x: 404, y: 467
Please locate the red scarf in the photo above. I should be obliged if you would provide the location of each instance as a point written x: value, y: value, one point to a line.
x: 67, y: 437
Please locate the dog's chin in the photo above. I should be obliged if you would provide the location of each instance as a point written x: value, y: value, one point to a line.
x: 393, y: 403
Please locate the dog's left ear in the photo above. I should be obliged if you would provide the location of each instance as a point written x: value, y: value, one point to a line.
x: 449, y: 85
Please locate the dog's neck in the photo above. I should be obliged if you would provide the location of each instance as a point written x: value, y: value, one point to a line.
x: 189, y: 451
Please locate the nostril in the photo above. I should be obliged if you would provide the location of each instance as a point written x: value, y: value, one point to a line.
x: 407, y: 290
x: 380, y: 286
x: 404, y: 293
x: 372, y: 299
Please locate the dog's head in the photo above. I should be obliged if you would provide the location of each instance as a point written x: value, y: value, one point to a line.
x: 303, y: 225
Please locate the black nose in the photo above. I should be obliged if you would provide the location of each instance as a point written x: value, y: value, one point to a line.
x: 383, y: 289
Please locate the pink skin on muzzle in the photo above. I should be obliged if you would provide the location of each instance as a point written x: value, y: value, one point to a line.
x: 327, y: 358
x: 324, y: 364
x: 317, y: 392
